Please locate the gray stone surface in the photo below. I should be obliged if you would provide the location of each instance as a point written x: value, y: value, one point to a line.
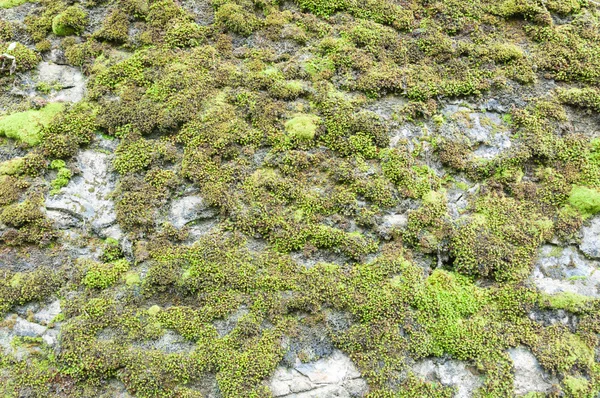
x: 590, y: 243
x: 189, y: 209
x: 560, y: 270
x: 86, y: 197
x: 450, y: 373
x: 484, y: 129
x: 334, y: 376
x: 24, y: 328
x: 529, y: 375
x: 47, y: 313
x: 70, y: 79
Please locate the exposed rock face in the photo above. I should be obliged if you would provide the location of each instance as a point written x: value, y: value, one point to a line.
x: 590, y: 244
x: 334, y: 376
x: 529, y: 375
x: 70, y: 80
x: 187, y: 210
x: 450, y: 373
x: 566, y: 270
x: 86, y: 197
x: 483, y: 128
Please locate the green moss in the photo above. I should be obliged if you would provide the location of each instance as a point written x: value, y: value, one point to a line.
x: 115, y: 27
x: 585, y: 98
x: 577, y: 387
x: 586, y: 200
x: 237, y: 19
x: 11, y: 3
x: 568, y: 301
x: 26, y: 126
x: 62, y: 179
x: 152, y: 311
x: 12, y: 167
x: 25, y: 58
x: 72, y: 21
x: 101, y: 276
x: 303, y: 127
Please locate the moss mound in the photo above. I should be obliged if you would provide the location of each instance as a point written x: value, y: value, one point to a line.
x: 26, y: 126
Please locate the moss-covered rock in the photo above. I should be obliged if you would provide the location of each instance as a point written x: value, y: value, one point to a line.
x: 72, y: 21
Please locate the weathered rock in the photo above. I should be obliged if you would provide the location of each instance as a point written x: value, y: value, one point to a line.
x: 566, y: 270
x: 484, y: 128
x: 529, y: 375
x: 590, y: 244
x: 47, y: 313
x: 70, y: 79
x: 86, y: 195
x: 189, y: 209
x: 450, y: 373
x: 24, y: 328
x: 334, y: 376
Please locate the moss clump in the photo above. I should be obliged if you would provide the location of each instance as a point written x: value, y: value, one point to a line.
x: 115, y: 27
x: 11, y: 3
x: 63, y: 177
x: 6, y: 31
x: 69, y: 130
x: 586, y: 200
x: 101, y: 276
x: 237, y: 19
x: 303, y: 127
x: 585, y: 98
x: 10, y: 189
x: 12, y: 167
x: 572, y: 302
x: 27, y: 126
x: 577, y: 387
x: 71, y: 21
x: 25, y: 58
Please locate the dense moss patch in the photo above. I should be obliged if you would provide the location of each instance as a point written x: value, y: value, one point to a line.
x: 335, y: 196
x: 27, y: 126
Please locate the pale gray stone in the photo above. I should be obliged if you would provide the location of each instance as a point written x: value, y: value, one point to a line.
x: 590, y: 244
x: 529, y: 375
x: 559, y: 270
x: 450, y: 373
x: 24, y: 328
x: 86, y: 197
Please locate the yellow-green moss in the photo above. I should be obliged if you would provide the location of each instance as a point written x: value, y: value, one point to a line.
x: 26, y: 126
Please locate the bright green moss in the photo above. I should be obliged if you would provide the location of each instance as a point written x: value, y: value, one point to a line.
x: 568, y: 301
x: 26, y: 126
x: 11, y: 3
x: 101, y: 276
x: 577, y: 387
x: 12, y: 167
x: 586, y: 200
x: 63, y: 177
x: 152, y: 311
x: 71, y: 21
x: 302, y: 127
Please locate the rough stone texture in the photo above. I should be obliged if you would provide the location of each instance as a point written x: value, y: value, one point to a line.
x: 86, y: 195
x: 566, y: 270
x: 25, y: 328
x: 70, y: 79
x: 47, y: 313
x: 483, y: 128
x: 450, y: 373
x: 334, y: 376
x: 529, y: 375
x: 189, y: 209
x: 590, y: 244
